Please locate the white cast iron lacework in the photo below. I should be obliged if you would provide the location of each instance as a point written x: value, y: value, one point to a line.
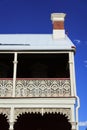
x: 5, y: 111
x: 6, y: 88
x: 43, y: 88
x: 36, y: 88
x: 65, y: 111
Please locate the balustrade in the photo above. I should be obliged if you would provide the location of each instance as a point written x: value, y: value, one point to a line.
x: 38, y: 87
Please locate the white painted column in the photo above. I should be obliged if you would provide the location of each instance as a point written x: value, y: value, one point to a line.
x: 42, y: 111
x: 73, y: 87
x: 11, y: 123
x: 14, y: 73
x: 71, y: 73
x: 72, y: 114
x: 74, y: 75
x: 77, y: 98
x: 73, y: 121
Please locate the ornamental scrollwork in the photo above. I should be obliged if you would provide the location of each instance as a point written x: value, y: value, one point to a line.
x: 6, y: 88
x: 5, y: 111
x: 65, y: 111
x: 43, y: 88
x: 36, y: 88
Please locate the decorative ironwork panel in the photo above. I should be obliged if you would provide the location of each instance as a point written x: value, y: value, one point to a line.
x: 43, y: 88
x: 6, y: 88
x: 19, y: 111
x: 36, y: 88
x: 65, y: 111
x: 5, y: 111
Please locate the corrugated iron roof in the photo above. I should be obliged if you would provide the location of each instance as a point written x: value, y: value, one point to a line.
x: 34, y: 42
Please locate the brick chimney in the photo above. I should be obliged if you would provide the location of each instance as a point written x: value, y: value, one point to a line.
x: 58, y: 25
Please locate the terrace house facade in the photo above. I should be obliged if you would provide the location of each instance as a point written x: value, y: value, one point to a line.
x: 37, y: 80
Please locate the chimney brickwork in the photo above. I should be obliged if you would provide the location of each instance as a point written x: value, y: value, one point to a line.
x: 58, y: 25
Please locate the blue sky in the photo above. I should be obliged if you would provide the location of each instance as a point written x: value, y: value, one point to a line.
x: 33, y: 16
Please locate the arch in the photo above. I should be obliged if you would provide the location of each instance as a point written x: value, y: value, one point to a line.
x: 27, y: 121
x: 56, y: 121
x: 42, y: 111
x: 4, y: 125
x: 35, y: 121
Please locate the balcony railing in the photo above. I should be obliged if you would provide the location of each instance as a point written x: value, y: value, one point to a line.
x: 36, y: 87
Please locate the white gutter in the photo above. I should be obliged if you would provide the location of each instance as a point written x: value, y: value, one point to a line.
x: 78, y: 106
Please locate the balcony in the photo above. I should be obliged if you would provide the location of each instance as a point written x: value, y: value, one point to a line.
x: 35, y: 75
x: 35, y: 87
